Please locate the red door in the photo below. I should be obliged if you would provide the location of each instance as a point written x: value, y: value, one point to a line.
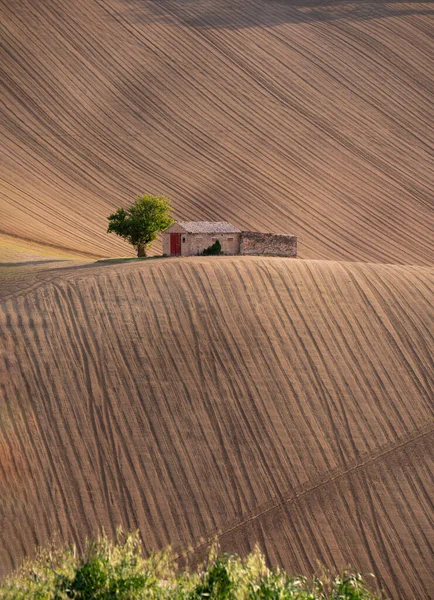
x: 175, y: 244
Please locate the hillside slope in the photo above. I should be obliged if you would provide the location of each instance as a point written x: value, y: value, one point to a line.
x: 271, y: 400
x: 299, y: 116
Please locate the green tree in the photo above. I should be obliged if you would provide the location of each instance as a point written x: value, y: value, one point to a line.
x: 140, y: 223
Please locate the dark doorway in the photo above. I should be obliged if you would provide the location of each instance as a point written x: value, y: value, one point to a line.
x: 175, y: 244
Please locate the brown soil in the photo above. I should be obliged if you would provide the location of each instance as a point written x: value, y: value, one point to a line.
x: 272, y: 400
x: 276, y: 401
x: 312, y: 118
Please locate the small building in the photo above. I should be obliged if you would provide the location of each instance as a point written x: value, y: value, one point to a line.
x: 189, y: 238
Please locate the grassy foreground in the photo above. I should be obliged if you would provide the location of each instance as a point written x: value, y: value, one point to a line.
x: 108, y: 570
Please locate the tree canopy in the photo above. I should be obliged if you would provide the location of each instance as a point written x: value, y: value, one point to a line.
x: 140, y: 223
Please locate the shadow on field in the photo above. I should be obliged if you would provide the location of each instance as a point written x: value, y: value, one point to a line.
x: 241, y: 14
x: 31, y: 263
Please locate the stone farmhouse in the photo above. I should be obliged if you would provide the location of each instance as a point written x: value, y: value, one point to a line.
x: 190, y: 238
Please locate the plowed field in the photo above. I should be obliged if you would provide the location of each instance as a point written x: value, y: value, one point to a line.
x: 265, y: 400
x: 271, y: 400
x: 299, y: 116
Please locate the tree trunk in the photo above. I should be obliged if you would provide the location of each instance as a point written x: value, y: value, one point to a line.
x: 141, y: 250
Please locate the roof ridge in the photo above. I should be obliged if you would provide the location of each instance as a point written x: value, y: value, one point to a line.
x: 208, y: 226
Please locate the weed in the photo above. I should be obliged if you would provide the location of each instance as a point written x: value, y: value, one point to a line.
x: 118, y: 570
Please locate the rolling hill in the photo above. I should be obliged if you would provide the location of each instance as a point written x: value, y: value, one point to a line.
x: 284, y: 402
x: 307, y: 117
x: 272, y: 400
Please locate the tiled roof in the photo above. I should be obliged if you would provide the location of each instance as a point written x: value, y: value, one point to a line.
x: 208, y: 227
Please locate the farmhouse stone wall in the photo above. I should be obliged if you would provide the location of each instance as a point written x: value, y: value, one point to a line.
x: 195, y: 243
x: 274, y: 244
x: 246, y: 242
x: 166, y: 244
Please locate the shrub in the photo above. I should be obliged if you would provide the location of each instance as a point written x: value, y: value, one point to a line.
x: 118, y: 570
x: 214, y: 250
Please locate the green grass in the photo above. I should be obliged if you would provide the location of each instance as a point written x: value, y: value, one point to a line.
x: 118, y: 570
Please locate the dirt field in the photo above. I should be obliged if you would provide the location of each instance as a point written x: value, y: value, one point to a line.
x: 280, y: 401
x: 285, y: 402
x: 299, y: 116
